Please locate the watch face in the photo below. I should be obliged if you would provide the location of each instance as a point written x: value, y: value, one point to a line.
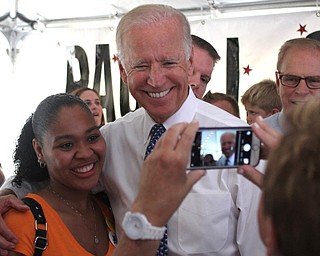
x: 134, y: 226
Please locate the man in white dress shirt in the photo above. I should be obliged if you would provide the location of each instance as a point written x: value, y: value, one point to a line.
x: 218, y: 217
x: 298, y: 81
x: 227, y: 142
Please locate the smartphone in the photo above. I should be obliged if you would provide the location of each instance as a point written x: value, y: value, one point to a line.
x: 224, y: 147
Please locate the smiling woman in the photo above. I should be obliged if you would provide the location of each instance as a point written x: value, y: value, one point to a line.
x: 61, y: 146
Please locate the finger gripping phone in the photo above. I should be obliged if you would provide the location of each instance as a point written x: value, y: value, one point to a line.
x: 224, y: 147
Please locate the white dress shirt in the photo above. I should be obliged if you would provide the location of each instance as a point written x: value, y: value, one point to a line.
x: 223, y: 158
x: 219, y: 215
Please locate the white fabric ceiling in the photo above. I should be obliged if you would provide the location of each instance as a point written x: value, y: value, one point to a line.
x: 49, y: 11
x: 19, y: 17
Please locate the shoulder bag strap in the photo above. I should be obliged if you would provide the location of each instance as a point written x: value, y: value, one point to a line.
x: 40, y: 242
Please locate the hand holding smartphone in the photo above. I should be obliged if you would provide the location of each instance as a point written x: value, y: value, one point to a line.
x: 224, y: 147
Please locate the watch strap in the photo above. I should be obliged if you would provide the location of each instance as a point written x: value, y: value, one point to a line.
x: 146, y: 230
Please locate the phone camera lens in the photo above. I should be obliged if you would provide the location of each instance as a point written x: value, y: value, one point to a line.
x: 246, y: 161
x: 246, y: 147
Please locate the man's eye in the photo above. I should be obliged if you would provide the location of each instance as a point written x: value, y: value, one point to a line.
x: 291, y: 79
x: 170, y: 63
x: 205, y: 80
x: 141, y: 67
x: 93, y: 138
x: 314, y: 79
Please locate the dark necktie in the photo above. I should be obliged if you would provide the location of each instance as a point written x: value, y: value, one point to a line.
x: 227, y: 161
x: 156, y: 132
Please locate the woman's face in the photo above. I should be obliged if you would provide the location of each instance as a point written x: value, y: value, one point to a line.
x: 93, y: 102
x: 74, y: 149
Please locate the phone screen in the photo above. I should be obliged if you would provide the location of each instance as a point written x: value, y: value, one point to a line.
x: 217, y: 148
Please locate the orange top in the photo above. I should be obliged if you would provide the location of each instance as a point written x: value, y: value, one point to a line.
x: 60, y: 239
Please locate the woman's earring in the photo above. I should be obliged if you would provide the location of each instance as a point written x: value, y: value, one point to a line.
x: 41, y: 163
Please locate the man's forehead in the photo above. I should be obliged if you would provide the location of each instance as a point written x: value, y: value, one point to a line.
x: 227, y: 136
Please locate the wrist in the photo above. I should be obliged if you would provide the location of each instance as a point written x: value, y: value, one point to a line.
x: 7, y: 191
x: 152, y: 212
x: 137, y: 226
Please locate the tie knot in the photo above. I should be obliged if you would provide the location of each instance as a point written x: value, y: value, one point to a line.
x: 156, y: 131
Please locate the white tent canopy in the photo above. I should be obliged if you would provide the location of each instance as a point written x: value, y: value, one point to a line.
x: 48, y: 11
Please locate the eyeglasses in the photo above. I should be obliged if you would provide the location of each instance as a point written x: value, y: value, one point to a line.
x: 312, y: 82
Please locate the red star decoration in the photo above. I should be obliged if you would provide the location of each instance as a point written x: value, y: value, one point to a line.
x: 302, y: 29
x: 115, y: 58
x: 247, y: 70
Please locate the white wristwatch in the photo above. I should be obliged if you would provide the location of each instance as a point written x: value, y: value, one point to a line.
x: 136, y: 226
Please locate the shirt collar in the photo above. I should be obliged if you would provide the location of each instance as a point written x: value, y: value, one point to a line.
x: 186, y: 113
x: 282, y: 121
x: 231, y: 158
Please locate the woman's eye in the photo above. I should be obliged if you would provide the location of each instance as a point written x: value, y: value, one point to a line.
x: 66, y: 146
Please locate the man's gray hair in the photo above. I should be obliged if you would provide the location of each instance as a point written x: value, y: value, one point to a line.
x: 148, y: 14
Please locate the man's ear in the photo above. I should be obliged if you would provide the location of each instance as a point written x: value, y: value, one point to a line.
x: 122, y: 72
x: 275, y: 110
x: 190, y: 68
x: 271, y: 239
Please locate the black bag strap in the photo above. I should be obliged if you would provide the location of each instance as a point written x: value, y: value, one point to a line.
x: 40, y: 242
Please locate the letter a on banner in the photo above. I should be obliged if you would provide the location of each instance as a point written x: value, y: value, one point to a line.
x: 233, y: 67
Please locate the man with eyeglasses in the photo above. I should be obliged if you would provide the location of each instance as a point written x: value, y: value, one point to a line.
x: 297, y: 77
x: 298, y: 81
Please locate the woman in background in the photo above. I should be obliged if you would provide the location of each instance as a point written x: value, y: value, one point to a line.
x: 92, y: 98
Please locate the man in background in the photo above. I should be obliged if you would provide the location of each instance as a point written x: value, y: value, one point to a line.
x: 297, y: 77
x: 261, y: 99
x: 223, y: 101
x: 204, y: 60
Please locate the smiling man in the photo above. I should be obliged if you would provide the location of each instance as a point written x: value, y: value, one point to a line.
x: 227, y: 142
x: 156, y: 60
x: 297, y: 77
